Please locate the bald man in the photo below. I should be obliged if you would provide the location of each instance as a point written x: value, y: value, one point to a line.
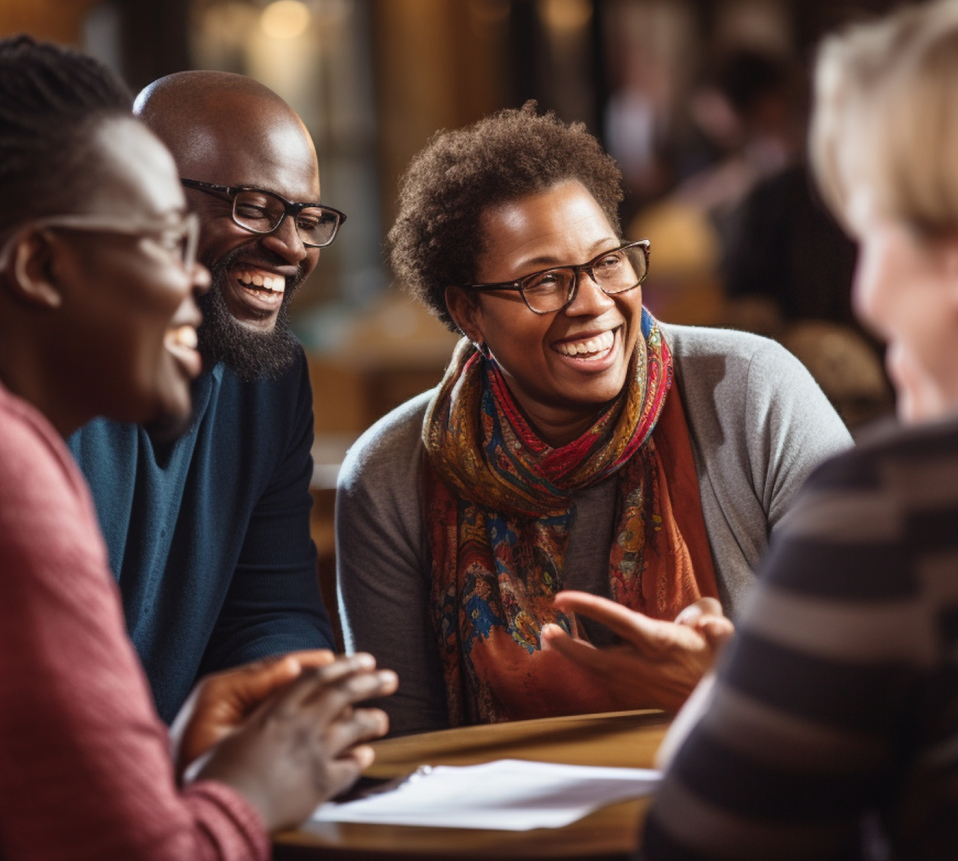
x: 208, y: 535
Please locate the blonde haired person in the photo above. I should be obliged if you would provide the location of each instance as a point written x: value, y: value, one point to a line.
x: 830, y: 731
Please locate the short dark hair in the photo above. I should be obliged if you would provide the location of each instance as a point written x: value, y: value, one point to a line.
x: 436, y: 239
x: 52, y: 99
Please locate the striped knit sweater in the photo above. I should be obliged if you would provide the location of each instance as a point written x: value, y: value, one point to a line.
x: 832, y: 729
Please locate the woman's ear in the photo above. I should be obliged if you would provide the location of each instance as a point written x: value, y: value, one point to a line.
x: 31, y: 270
x: 463, y: 307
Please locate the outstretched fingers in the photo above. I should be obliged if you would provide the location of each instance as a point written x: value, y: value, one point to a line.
x: 651, y: 637
x: 555, y: 639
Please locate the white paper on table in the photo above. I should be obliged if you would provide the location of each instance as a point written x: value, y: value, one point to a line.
x: 505, y: 795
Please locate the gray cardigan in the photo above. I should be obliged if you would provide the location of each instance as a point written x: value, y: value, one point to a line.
x: 758, y: 424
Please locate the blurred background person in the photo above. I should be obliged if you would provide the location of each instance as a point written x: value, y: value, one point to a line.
x: 751, y: 108
x: 774, y: 260
x: 830, y: 729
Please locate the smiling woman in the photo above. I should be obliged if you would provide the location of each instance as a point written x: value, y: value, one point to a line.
x: 98, y: 282
x: 119, y: 272
x: 576, y: 443
x: 561, y: 367
x: 127, y: 292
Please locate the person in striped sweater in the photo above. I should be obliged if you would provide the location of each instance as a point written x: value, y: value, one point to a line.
x: 830, y: 729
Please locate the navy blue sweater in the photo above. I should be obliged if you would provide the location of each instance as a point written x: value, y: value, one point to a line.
x: 209, y: 537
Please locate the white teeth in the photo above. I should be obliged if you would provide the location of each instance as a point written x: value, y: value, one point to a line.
x: 273, y: 283
x: 182, y: 336
x: 598, y: 344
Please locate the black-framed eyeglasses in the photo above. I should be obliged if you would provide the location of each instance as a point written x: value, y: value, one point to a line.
x: 260, y: 211
x: 616, y: 271
x: 179, y: 239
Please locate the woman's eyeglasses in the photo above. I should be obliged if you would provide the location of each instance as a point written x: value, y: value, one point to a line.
x: 616, y: 271
x: 179, y: 238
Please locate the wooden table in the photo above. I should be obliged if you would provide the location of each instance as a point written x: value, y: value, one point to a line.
x: 627, y: 739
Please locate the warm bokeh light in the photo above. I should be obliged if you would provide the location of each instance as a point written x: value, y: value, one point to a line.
x: 285, y: 19
x: 566, y: 15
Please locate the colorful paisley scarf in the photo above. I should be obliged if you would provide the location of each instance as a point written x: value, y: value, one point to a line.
x: 499, y: 507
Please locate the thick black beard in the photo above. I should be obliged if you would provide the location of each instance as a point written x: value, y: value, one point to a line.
x: 249, y: 354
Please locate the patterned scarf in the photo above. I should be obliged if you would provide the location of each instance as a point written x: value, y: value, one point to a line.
x: 499, y: 507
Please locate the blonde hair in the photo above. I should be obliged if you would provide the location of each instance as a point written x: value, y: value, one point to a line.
x: 886, y: 114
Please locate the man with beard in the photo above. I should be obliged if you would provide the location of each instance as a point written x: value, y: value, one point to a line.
x: 209, y: 535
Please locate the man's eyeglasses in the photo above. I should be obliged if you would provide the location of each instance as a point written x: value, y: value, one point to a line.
x: 179, y: 239
x: 260, y: 211
x: 616, y: 271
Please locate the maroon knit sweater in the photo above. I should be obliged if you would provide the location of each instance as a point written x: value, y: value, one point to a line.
x: 84, y: 762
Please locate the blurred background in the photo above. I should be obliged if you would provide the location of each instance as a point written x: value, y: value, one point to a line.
x: 702, y: 102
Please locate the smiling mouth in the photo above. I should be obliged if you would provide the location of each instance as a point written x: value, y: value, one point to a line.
x: 587, y: 348
x: 261, y: 282
x: 182, y: 342
x: 182, y: 336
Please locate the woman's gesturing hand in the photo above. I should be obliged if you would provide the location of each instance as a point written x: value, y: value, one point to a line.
x: 658, y: 663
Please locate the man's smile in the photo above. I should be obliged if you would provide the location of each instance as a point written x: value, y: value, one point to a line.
x: 256, y: 293
x: 258, y: 279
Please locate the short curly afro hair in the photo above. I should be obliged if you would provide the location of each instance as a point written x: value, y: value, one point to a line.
x: 437, y: 238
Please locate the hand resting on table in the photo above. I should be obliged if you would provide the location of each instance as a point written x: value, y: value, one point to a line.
x: 220, y: 702
x: 286, y: 734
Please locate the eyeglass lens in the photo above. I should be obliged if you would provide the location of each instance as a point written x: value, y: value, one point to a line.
x: 181, y: 241
x: 261, y: 212
x: 614, y: 272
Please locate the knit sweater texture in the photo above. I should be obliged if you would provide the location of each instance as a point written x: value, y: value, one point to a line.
x: 209, y: 537
x: 86, y: 772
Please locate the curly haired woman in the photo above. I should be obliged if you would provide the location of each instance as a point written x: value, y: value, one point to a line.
x: 520, y: 541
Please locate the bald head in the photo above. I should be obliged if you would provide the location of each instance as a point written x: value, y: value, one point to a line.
x: 218, y: 125
x: 227, y: 131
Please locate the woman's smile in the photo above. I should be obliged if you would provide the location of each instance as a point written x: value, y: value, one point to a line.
x: 559, y: 366
x: 588, y: 348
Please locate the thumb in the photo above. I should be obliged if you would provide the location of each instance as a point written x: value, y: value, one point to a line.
x: 697, y: 609
x: 548, y: 636
x: 717, y: 631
